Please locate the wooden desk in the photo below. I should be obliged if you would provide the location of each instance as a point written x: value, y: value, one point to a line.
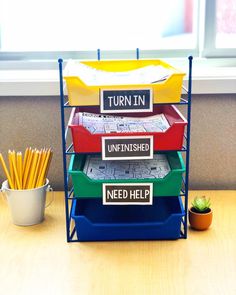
x: 37, y: 260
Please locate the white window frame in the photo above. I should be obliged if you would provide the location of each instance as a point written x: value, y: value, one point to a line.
x: 104, y: 54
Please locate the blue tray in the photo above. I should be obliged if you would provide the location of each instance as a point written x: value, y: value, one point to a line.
x: 96, y: 222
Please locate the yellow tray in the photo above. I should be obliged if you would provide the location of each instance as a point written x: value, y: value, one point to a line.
x: 80, y: 94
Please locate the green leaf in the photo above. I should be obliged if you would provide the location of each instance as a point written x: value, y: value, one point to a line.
x: 201, y: 203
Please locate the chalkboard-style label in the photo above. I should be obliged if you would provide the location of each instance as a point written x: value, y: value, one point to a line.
x: 127, y: 194
x: 127, y: 147
x: 114, y: 101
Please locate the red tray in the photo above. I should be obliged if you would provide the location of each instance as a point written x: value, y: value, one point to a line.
x: 171, y: 139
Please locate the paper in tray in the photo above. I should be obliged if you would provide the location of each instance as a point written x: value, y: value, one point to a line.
x: 94, y: 77
x: 95, y: 168
x: 97, y: 123
x: 86, y: 79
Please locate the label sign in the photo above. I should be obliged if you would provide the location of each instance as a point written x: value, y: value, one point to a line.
x: 127, y: 194
x: 113, y: 101
x: 127, y: 147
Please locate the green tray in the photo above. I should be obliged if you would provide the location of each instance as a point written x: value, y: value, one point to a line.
x: 170, y: 185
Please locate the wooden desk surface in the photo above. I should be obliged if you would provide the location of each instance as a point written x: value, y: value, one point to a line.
x: 37, y: 259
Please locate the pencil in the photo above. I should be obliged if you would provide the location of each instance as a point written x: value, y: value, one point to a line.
x: 32, y: 169
x: 25, y: 159
x: 44, y: 155
x: 48, y: 165
x: 27, y: 168
x: 13, y: 158
x: 41, y: 178
x: 36, y: 172
x: 6, y: 171
x: 15, y: 172
x: 11, y: 169
x: 19, y: 167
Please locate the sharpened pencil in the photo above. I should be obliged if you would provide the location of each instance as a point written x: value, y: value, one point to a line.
x: 6, y: 171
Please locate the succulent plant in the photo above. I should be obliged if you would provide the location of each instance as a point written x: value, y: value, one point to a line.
x: 201, y: 204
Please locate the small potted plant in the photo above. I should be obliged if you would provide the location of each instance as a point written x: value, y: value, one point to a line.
x: 200, y: 214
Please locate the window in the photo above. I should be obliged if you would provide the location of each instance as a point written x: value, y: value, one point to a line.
x: 220, y: 33
x: 225, y: 24
x: 48, y: 29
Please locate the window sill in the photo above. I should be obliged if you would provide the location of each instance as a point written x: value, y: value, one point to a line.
x: 208, y: 78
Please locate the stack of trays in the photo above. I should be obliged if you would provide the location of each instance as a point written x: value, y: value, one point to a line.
x: 126, y: 171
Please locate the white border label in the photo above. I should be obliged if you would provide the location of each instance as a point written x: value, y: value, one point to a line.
x: 122, y: 185
x: 104, y: 157
x: 131, y: 110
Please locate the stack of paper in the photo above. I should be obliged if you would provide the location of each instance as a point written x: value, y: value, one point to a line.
x: 95, y: 168
x: 116, y: 124
x: 94, y: 77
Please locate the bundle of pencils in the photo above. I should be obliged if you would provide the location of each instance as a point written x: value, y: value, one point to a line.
x: 29, y: 170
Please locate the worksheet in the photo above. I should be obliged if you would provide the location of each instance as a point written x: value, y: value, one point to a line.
x: 95, y: 168
x: 97, y: 123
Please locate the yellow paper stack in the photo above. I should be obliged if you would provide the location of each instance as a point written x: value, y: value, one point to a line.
x: 28, y: 171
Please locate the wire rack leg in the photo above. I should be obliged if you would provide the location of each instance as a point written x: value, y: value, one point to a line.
x: 60, y: 61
